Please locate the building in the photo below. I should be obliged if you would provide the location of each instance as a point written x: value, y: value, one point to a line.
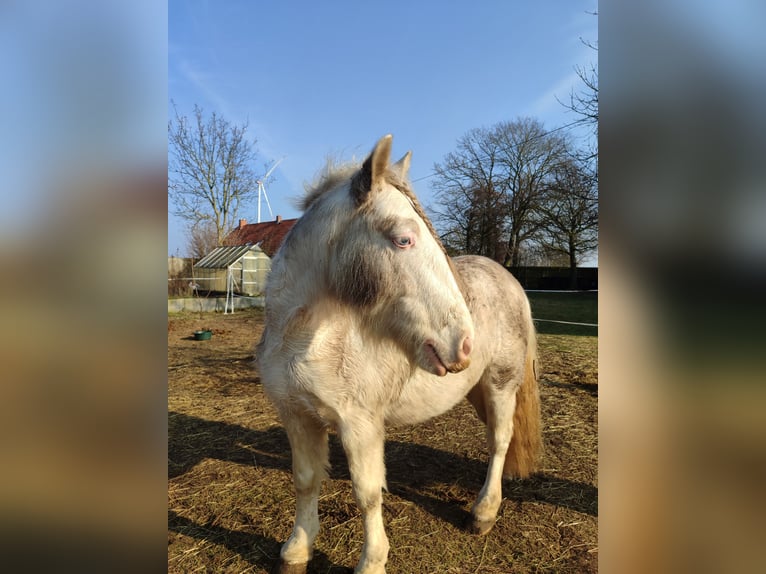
x: 268, y: 235
x: 239, y: 269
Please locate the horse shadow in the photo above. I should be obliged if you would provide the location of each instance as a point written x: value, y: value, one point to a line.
x: 589, y: 388
x: 413, y: 470
x: 255, y: 549
x: 192, y: 439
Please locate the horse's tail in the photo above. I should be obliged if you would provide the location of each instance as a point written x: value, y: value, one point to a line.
x: 525, y: 450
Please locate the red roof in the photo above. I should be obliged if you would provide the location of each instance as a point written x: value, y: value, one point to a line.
x: 268, y: 234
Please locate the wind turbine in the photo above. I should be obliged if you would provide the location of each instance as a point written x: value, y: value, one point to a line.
x: 262, y: 189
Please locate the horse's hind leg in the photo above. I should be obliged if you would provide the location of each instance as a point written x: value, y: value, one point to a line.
x: 498, y: 405
x: 308, y: 442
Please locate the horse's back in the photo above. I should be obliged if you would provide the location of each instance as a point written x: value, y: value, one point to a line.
x: 471, y: 267
x: 487, y: 283
x: 499, y: 308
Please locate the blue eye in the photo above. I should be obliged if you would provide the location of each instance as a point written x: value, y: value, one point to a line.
x: 403, y: 241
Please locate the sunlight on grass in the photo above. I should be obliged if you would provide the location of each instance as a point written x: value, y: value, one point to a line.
x: 570, y: 307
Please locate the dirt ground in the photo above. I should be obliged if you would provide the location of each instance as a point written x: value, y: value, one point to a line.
x: 230, y: 496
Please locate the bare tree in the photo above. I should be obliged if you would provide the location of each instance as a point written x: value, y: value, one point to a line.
x: 569, y: 214
x: 210, y: 173
x: 584, y: 102
x: 489, y: 188
x: 203, y: 238
x: 529, y: 155
x: 469, y: 186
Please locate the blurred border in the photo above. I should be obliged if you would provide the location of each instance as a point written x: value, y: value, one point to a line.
x: 683, y: 246
x: 83, y: 253
x: 83, y: 249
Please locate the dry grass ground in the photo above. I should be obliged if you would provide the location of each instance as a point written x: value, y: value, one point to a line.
x: 230, y: 496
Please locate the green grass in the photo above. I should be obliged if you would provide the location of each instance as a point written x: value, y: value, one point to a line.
x: 574, y: 307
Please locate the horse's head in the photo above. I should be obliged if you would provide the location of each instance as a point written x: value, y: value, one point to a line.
x: 387, y: 263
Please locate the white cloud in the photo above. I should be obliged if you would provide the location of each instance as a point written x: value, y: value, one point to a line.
x: 547, y: 103
x: 204, y: 82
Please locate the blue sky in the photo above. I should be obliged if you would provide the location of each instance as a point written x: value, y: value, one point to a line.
x: 319, y: 78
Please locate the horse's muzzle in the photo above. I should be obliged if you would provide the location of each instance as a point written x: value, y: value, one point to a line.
x: 441, y: 367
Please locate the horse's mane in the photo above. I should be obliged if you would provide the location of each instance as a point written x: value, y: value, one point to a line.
x: 333, y: 175
x: 329, y: 177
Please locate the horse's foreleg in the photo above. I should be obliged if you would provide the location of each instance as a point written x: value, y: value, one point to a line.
x: 499, y: 412
x: 363, y: 443
x: 308, y: 442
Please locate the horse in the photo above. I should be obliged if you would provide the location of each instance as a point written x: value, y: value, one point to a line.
x: 368, y: 324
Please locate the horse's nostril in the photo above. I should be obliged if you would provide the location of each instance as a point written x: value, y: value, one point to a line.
x: 467, y: 346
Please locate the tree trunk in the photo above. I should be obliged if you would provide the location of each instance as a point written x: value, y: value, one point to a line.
x: 572, y: 266
x: 512, y: 255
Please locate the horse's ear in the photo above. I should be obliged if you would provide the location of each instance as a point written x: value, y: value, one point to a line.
x: 373, y: 169
x: 402, y: 167
x: 381, y: 157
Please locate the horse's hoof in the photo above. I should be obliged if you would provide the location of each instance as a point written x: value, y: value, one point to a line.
x: 479, y: 527
x: 283, y: 567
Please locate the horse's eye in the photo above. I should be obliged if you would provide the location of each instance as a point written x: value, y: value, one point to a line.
x: 403, y: 241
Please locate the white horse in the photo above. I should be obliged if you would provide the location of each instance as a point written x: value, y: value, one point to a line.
x: 369, y: 323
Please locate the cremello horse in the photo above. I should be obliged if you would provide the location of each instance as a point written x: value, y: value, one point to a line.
x: 369, y: 323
